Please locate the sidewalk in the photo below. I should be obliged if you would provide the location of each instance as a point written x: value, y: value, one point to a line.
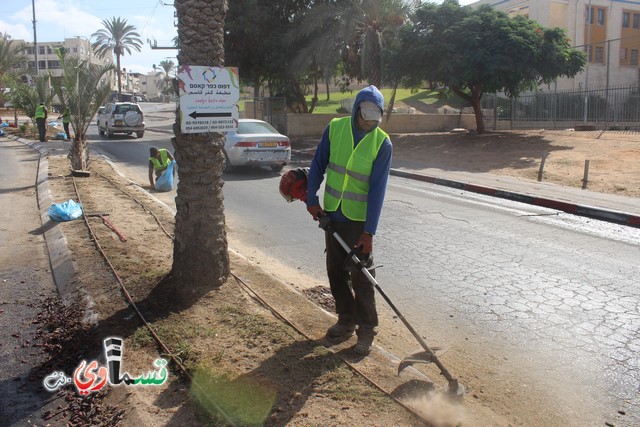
x: 605, y: 207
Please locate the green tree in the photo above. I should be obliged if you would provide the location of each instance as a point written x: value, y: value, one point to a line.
x: 11, y: 59
x: 117, y: 38
x: 200, y: 252
x: 27, y: 97
x: 255, y: 43
x: 474, y: 51
x: 165, y: 84
x: 82, y: 88
x: 352, y: 31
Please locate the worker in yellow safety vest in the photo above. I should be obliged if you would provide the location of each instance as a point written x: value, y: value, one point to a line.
x: 66, y: 120
x: 41, y: 120
x: 356, y: 156
x: 158, y: 162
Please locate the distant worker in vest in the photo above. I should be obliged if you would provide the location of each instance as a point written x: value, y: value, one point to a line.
x: 41, y: 120
x: 356, y: 156
x: 66, y: 120
x: 158, y: 163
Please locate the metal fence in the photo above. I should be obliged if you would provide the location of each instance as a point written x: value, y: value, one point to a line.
x: 272, y: 110
x: 603, y: 108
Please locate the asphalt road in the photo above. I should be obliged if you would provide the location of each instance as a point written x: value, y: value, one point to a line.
x: 554, y: 297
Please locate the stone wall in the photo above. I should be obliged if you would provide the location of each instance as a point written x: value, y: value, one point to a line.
x: 300, y: 125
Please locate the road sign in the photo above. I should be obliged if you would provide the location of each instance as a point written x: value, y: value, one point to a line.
x: 208, y: 98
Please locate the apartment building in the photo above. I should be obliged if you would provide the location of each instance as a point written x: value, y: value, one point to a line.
x: 48, y: 61
x: 609, y: 31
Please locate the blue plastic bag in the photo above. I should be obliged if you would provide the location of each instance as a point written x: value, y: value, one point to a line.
x: 66, y: 211
x: 165, y: 181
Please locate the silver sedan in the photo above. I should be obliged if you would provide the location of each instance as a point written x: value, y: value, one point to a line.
x: 256, y: 143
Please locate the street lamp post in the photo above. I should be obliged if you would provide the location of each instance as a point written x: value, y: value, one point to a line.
x: 35, y: 39
x: 586, y: 70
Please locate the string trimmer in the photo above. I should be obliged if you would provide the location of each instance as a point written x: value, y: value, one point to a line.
x: 293, y: 186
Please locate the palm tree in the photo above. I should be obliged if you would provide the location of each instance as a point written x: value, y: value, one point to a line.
x: 11, y: 59
x: 200, y: 251
x: 165, y: 83
x: 116, y: 38
x: 81, y: 88
x: 351, y: 30
x: 26, y: 97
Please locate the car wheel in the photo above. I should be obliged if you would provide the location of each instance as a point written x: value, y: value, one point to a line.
x: 228, y: 167
x: 140, y: 134
x: 101, y: 132
x: 277, y: 168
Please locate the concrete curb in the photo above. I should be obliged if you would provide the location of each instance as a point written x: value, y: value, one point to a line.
x: 572, y: 208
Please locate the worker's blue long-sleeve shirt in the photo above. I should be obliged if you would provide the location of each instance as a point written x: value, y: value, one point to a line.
x: 377, y: 183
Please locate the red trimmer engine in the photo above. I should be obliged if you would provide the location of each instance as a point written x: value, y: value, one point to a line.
x: 293, y: 185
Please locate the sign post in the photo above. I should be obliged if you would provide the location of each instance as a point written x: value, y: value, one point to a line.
x: 209, y: 98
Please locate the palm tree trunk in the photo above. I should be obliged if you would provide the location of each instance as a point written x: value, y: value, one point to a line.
x: 200, y: 252
x: 119, y: 77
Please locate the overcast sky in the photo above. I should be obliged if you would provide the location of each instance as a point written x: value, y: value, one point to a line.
x: 60, y: 19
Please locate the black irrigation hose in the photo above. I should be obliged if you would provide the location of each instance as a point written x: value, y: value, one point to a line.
x: 247, y: 289
x: 138, y: 202
x: 351, y: 366
x: 140, y: 315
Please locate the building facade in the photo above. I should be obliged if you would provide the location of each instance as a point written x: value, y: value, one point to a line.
x: 608, y: 31
x: 48, y: 61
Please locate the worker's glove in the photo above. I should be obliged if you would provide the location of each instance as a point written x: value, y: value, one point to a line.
x: 324, y: 222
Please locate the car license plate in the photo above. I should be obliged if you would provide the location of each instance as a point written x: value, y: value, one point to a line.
x: 268, y: 144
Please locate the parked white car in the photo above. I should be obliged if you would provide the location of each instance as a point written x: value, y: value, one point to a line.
x: 121, y: 117
x: 256, y: 143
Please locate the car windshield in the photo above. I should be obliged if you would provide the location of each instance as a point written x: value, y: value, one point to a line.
x: 255, y: 128
x: 121, y: 109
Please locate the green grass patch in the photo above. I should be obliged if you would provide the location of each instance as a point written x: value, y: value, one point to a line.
x: 430, y: 97
x: 172, y: 331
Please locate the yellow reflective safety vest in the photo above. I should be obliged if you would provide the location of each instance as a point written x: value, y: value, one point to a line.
x: 349, y: 169
x: 66, y: 116
x: 163, y: 162
x: 40, y: 112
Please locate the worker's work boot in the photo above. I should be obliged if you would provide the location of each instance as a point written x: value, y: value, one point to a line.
x: 365, y: 340
x: 340, y: 331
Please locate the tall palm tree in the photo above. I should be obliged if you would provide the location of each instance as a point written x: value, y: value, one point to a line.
x: 117, y: 38
x: 351, y: 30
x: 200, y: 251
x: 164, y: 84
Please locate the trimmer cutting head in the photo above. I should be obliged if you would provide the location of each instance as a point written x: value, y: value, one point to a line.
x: 455, y: 389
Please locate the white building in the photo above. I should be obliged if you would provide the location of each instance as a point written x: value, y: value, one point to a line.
x: 611, y: 32
x: 48, y: 61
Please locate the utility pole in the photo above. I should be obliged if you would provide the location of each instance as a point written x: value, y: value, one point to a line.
x: 35, y: 39
x: 586, y: 71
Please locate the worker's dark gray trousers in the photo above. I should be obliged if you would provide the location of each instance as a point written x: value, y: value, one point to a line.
x: 42, y: 129
x: 357, y: 306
